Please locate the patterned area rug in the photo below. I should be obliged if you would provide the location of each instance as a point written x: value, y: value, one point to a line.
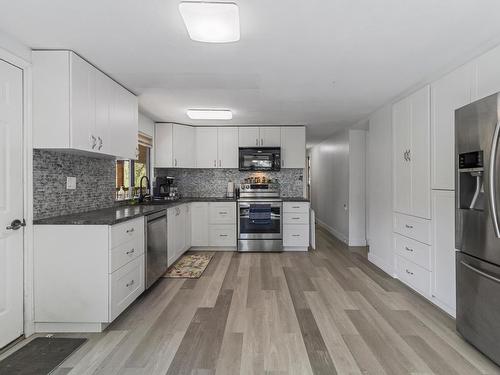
x: 189, y: 266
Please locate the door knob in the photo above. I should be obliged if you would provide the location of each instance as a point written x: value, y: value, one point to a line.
x: 16, y: 224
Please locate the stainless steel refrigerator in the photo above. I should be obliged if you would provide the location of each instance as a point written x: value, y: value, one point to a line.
x: 477, y: 228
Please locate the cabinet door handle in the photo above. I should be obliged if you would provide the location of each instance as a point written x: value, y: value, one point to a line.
x: 222, y: 235
x: 175, y: 162
x: 409, y: 226
x: 220, y: 163
x: 215, y: 163
x: 256, y: 141
x: 129, y: 230
x: 93, y: 141
x: 130, y: 252
x: 295, y: 218
x: 295, y: 235
x: 222, y: 212
x: 295, y: 206
x: 409, y: 249
x: 409, y: 155
x: 130, y: 283
x: 100, y: 143
x: 409, y: 272
x: 262, y: 141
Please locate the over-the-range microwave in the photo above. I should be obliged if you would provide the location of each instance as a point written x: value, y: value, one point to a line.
x: 259, y: 158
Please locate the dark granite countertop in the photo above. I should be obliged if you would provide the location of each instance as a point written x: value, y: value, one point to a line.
x: 295, y: 199
x: 121, y: 213
x: 118, y: 214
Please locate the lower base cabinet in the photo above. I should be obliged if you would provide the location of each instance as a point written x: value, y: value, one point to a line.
x: 86, y: 275
x: 296, y: 226
x: 213, y: 225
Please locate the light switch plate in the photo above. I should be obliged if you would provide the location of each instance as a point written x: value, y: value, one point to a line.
x: 70, y: 183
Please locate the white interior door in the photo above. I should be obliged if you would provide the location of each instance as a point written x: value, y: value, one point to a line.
x: 11, y: 203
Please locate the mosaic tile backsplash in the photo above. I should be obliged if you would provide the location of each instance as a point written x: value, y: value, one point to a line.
x: 95, y: 183
x: 213, y: 182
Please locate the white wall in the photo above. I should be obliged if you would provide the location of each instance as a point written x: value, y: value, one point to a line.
x: 379, y: 189
x: 338, y: 175
x: 357, y: 177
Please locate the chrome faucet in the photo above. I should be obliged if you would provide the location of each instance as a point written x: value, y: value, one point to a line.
x: 142, y: 196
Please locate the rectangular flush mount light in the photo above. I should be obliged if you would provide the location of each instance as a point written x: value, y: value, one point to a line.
x: 210, y: 114
x: 211, y: 22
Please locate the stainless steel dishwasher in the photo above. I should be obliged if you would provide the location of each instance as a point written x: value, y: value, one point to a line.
x: 156, y: 246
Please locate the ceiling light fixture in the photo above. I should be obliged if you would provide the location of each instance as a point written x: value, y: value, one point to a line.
x: 211, y: 22
x: 210, y: 114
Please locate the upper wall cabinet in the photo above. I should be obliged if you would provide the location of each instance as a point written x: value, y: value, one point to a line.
x: 487, y: 77
x: 447, y: 94
x: 174, y: 145
x: 293, y: 147
x: 216, y: 147
x: 75, y: 106
x: 411, y: 161
x: 265, y: 136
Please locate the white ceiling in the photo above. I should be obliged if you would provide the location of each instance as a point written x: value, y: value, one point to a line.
x: 323, y: 63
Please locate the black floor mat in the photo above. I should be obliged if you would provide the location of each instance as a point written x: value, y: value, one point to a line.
x: 40, y: 356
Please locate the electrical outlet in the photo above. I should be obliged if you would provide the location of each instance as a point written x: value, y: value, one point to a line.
x: 70, y: 183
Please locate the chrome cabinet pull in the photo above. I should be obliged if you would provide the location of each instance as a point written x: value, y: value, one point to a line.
x: 295, y: 235
x: 93, y: 141
x: 16, y: 224
x: 295, y: 206
x: 130, y: 283
x: 409, y: 226
x: 175, y: 162
x: 129, y: 230
x: 215, y: 163
x: 256, y: 141
x: 223, y: 213
x: 409, y: 155
x: 409, y: 272
x: 220, y: 163
x: 130, y: 252
x: 408, y: 249
x: 262, y: 141
x: 295, y: 218
x: 100, y: 143
x: 222, y: 235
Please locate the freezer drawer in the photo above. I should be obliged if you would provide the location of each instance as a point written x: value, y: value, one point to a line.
x: 478, y: 304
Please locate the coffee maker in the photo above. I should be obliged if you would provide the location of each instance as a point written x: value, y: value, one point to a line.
x: 163, y: 188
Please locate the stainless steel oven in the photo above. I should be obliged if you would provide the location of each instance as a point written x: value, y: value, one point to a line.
x: 260, y: 225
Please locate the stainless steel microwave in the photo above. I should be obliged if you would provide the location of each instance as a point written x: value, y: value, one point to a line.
x: 259, y: 158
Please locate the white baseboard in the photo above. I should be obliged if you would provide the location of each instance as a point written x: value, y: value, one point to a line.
x: 69, y: 327
x: 333, y: 231
x: 357, y: 242
x: 380, y: 263
x: 295, y: 248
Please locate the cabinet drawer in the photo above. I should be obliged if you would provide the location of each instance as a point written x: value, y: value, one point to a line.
x: 126, y: 231
x: 222, y: 235
x: 126, y: 284
x: 295, y: 218
x: 296, y: 207
x: 124, y: 253
x: 412, y: 250
x: 222, y: 213
x: 416, y: 277
x: 296, y: 236
x: 413, y: 227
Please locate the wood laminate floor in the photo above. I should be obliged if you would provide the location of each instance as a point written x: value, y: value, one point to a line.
x: 328, y: 311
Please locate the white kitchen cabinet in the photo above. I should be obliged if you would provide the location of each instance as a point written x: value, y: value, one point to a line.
x: 411, y: 147
x: 293, y: 147
x: 206, y: 147
x: 265, y: 136
x: 174, y: 146
x: 176, y: 232
x: 199, y: 223
x: 296, y: 226
x: 216, y: 147
x: 487, y: 78
x: 447, y: 94
x: 443, y: 278
x: 270, y: 136
x: 163, y: 139
x: 248, y: 136
x: 77, y: 107
x: 86, y: 275
x: 227, y: 147
x: 213, y: 224
x: 183, y: 146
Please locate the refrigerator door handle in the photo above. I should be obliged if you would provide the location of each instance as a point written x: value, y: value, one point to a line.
x: 492, y: 180
x: 474, y: 269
